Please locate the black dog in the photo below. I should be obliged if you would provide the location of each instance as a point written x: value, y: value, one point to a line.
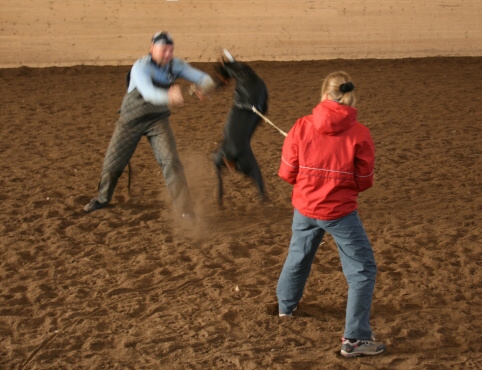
x: 235, y: 152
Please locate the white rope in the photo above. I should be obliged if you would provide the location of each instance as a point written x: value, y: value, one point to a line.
x: 267, y: 120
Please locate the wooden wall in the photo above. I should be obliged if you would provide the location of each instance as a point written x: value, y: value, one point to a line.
x: 116, y: 32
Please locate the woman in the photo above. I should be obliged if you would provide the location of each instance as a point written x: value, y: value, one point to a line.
x: 329, y: 158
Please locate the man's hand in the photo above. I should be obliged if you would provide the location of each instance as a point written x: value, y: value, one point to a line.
x: 175, y: 95
x: 193, y: 89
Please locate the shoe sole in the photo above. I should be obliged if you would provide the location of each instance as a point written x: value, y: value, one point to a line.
x: 358, y: 354
x: 93, y: 209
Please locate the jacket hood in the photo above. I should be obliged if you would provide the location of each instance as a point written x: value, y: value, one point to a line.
x: 332, y: 118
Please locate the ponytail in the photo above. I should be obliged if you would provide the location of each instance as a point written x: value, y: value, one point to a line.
x: 338, y: 87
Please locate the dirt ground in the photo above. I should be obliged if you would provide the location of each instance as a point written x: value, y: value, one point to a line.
x: 130, y: 287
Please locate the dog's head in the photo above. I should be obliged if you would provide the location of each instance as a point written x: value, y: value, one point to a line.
x: 226, y: 57
x: 223, y: 66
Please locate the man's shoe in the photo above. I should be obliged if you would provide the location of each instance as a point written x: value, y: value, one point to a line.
x: 361, y: 348
x: 94, y: 205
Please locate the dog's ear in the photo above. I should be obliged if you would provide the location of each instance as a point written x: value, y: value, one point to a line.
x: 226, y: 57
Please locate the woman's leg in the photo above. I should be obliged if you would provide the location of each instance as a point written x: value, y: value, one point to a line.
x: 304, y: 243
x: 360, y: 270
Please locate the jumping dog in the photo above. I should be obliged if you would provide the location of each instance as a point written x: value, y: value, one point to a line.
x: 235, y: 152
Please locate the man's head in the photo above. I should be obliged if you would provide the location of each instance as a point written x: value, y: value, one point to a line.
x: 162, y: 48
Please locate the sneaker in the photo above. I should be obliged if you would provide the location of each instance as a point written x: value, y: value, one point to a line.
x: 94, y: 205
x: 288, y: 314
x: 361, y: 348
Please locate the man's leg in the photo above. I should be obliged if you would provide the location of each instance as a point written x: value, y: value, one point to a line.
x: 164, y: 146
x: 119, y: 152
x: 122, y: 145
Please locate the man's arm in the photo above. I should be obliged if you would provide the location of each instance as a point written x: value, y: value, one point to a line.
x: 141, y: 75
x: 203, y: 84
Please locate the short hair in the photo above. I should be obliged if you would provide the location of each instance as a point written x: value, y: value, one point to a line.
x: 162, y: 38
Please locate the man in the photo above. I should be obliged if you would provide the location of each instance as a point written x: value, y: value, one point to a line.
x: 235, y: 152
x: 145, y: 112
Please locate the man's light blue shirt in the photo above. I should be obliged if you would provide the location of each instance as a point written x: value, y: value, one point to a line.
x: 145, y: 74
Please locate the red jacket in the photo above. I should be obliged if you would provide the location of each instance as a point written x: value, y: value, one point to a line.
x: 329, y: 157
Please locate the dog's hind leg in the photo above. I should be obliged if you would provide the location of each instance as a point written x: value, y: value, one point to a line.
x: 249, y: 166
x: 218, y: 165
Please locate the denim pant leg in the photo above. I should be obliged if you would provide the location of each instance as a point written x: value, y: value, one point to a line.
x: 360, y: 270
x: 305, y: 240
x: 164, y: 146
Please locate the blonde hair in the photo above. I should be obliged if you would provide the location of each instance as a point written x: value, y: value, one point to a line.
x: 339, y: 87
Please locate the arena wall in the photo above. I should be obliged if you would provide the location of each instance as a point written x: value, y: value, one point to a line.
x: 116, y: 32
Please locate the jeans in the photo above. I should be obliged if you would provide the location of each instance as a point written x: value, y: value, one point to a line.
x: 357, y: 261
